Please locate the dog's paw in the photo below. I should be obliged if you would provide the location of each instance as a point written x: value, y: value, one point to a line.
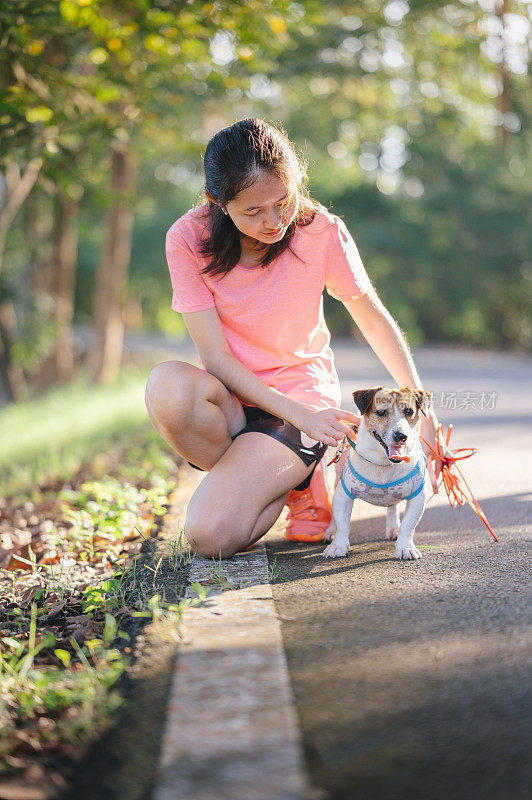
x: 335, y: 550
x: 392, y: 533
x: 329, y: 533
x: 407, y: 551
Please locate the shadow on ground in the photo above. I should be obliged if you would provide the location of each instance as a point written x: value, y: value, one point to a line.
x: 413, y: 678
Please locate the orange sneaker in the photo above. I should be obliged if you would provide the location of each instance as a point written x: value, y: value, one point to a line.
x: 310, y: 510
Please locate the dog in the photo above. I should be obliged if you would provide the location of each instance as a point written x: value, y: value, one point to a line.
x: 376, y: 470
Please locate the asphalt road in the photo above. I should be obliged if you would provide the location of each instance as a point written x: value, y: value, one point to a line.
x: 413, y: 679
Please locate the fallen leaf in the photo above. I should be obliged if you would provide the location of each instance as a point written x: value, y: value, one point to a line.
x: 29, y: 595
x: 51, y: 558
x: 18, y: 562
x: 54, y: 610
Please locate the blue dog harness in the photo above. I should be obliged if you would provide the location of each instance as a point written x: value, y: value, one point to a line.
x: 383, y: 494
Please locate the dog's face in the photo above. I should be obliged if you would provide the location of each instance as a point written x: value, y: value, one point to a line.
x: 392, y: 416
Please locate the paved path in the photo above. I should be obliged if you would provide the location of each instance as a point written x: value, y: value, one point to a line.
x: 423, y: 669
x: 413, y: 679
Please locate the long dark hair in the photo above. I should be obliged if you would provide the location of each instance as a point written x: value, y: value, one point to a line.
x: 233, y: 161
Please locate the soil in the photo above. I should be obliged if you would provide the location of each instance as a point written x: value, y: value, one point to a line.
x: 133, y: 739
x: 122, y: 764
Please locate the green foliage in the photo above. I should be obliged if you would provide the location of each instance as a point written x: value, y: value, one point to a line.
x: 385, y: 100
x: 274, y: 570
x: 451, y: 264
x: 27, y: 692
x: 108, y: 510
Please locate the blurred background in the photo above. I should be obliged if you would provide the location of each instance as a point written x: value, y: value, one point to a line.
x: 412, y: 117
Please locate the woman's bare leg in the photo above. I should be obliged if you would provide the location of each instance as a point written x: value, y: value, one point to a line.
x: 242, y: 496
x: 193, y: 411
x: 249, y: 479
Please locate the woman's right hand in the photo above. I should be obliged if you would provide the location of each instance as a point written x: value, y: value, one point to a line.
x: 329, y: 425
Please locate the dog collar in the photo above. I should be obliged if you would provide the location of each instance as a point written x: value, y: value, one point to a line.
x: 341, y: 450
x: 391, y: 464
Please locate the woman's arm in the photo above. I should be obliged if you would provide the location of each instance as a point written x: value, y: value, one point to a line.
x: 208, y: 335
x: 384, y: 337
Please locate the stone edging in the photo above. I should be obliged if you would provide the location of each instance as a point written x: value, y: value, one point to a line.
x: 231, y: 730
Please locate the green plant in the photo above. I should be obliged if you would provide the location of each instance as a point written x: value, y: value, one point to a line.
x: 155, y: 569
x: 180, y: 553
x: 27, y: 692
x: 201, y: 591
x: 217, y: 574
x: 274, y: 570
x: 33, y: 558
x: 56, y: 583
x: 101, y: 514
x: 101, y: 598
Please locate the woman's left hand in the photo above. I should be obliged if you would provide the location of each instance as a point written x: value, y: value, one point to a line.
x: 328, y: 425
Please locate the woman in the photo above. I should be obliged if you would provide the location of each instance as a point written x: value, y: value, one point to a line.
x: 248, y: 270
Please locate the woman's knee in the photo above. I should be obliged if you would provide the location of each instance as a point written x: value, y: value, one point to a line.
x: 212, y: 537
x: 170, y: 392
x: 175, y: 389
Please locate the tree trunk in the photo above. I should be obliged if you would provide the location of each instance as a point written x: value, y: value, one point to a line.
x: 111, y: 282
x: 66, y: 253
x: 11, y: 373
x: 505, y: 101
x: 14, y: 188
x: 38, y: 222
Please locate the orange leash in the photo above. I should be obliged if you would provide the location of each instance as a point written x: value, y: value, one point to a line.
x: 454, y: 483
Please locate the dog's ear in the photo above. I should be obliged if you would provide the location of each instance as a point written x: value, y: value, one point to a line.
x: 422, y: 399
x: 364, y: 398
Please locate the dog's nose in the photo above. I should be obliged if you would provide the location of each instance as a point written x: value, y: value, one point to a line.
x: 399, y: 437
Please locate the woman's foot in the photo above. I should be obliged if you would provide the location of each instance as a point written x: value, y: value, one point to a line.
x: 310, y: 510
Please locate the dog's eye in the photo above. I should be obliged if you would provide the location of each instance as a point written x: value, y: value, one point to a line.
x: 381, y: 412
x: 409, y: 412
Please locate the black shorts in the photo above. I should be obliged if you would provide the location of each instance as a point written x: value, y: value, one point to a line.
x: 260, y: 421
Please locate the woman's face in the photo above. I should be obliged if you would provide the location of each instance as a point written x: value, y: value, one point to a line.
x: 261, y: 211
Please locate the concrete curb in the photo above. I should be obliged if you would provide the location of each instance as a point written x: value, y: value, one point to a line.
x: 231, y: 730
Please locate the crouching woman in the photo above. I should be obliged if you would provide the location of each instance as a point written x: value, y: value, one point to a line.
x: 248, y: 270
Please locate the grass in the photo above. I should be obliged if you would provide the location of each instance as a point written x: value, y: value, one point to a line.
x: 69, y: 703
x: 30, y: 693
x: 107, y: 511
x: 179, y: 550
x: 72, y: 704
x: 217, y: 573
x: 94, y: 452
x: 50, y: 437
x: 274, y: 570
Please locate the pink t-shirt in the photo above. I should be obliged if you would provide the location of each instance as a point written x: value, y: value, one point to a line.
x: 273, y: 316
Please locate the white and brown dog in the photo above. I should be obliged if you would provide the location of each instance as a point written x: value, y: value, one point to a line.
x: 375, y: 470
